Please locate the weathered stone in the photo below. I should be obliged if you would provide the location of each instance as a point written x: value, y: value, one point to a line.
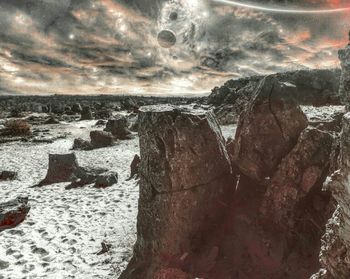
x: 134, y: 167
x: 62, y: 168
x: 119, y: 128
x: 106, y: 180
x: 52, y: 120
x: 81, y: 144
x: 13, y: 213
x: 100, y: 139
x: 185, y: 181
x: 335, y: 249
x: 299, y: 173
x: 268, y: 129
x: 76, y: 108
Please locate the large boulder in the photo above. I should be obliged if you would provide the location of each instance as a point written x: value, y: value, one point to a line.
x: 86, y: 113
x: 185, y: 182
x: 100, y: 139
x: 268, y: 129
x: 8, y: 175
x: 344, y: 86
x: 13, y: 213
x: 119, y: 128
x: 300, y: 173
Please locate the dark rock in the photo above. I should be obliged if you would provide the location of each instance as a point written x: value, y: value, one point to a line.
x: 134, y: 167
x: 86, y: 114
x: 301, y: 172
x: 81, y: 144
x: 62, y: 168
x: 76, y: 108
x: 8, y: 175
x: 185, y: 181
x: 13, y: 213
x: 106, y: 180
x: 100, y: 139
x: 119, y: 128
x: 52, y: 120
x: 100, y: 122
x: 268, y: 129
x: 103, y: 114
x: 129, y: 104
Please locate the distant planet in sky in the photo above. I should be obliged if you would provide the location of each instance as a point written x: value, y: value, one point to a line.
x: 166, y: 38
x: 173, y: 16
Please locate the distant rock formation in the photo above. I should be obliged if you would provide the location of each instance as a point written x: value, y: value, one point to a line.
x: 344, y: 88
x: 13, y: 213
x: 119, y: 128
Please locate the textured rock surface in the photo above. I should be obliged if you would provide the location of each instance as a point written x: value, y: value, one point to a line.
x: 134, y: 167
x: 185, y: 182
x: 300, y: 172
x: 335, y: 250
x: 13, y: 213
x: 344, y: 87
x: 100, y: 139
x: 8, y: 175
x: 268, y: 129
x: 119, y: 128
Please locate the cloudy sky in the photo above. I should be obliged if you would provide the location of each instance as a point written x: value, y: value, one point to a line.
x: 110, y: 46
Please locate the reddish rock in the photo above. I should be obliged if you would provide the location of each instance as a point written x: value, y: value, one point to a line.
x: 13, y: 213
x: 268, y: 129
x: 303, y: 169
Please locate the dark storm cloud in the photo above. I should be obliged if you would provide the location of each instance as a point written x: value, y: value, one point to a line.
x: 109, y: 46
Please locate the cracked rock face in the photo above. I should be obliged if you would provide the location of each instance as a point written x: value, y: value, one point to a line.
x: 185, y: 185
x: 335, y: 250
x: 300, y: 173
x: 268, y: 129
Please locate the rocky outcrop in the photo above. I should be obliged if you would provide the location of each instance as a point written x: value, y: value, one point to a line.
x: 185, y: 184
x: 119, y: 128
x: 268, y: 129
x: 86, y: 113
x: 13, y: 212
x: 134, y: 167
x: 300, y: 173
x: 335, y: 250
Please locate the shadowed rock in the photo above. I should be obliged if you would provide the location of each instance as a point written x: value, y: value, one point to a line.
x: 13, y: 213
x: 86, y: 114
x: 134, y: 167
x: 185, y: 183
x: 8, y: 175
x: 301, y: 172
x: 119, y: 128
x: 268, y: 129
x: 100, y: 139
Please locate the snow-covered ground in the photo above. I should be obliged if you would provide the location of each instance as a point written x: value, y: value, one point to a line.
x: 64, y: 229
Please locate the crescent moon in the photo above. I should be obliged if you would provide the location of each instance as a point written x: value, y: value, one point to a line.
x: 282, y: 10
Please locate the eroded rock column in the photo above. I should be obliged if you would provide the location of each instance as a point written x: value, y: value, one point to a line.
x: 186, y: 184
x: 344, y: 88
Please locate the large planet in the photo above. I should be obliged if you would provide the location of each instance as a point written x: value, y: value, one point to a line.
x: 166, y: 38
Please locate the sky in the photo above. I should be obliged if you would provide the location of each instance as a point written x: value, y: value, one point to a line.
x: 111, y: 47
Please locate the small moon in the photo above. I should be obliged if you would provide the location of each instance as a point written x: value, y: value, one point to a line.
x: 166, y: 38
x: 173, y: 16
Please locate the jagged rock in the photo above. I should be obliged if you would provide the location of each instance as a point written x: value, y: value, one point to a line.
x: 134, y: 167
x: 13, y: 213
x: 268, y: 129
x: 86, y: 113
x: 81, y: 144
x: 119, y: 128
x: 8, y: 175
x: 185, y: 181
x: 335, y: 249
x: 300, y: 173
x: 100, y: 139
x: 106, y: 180
x: 103, y: 114
x: 172, y: 273
x: 100, y: 122
x: 129, y: 104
